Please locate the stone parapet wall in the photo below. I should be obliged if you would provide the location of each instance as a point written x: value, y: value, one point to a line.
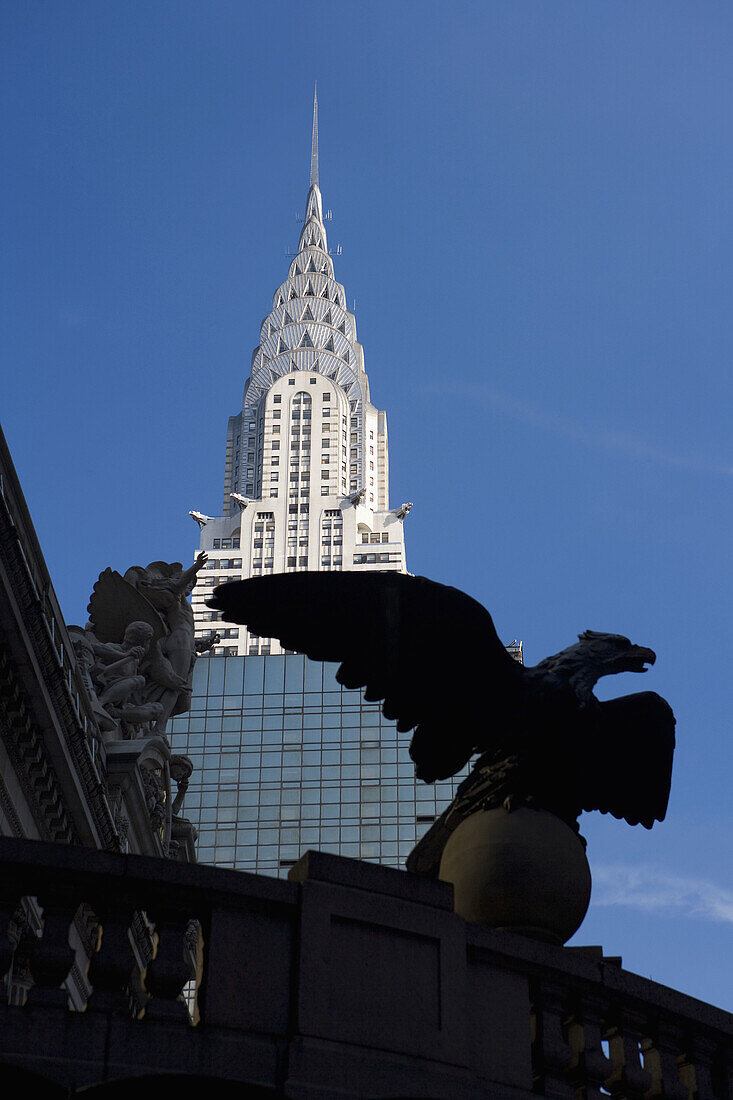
x: 350, y: 980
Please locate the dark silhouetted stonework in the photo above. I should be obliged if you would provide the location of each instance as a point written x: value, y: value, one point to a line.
x: 350, y: 980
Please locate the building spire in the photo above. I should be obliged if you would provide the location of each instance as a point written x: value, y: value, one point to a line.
x: 314, y: 140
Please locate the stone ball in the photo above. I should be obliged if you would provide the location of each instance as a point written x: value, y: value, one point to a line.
x: 524, y: 872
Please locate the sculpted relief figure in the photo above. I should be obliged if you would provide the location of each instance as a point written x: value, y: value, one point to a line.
x: 136, y: 656
x: 138, y: 648
x: 166, y: 587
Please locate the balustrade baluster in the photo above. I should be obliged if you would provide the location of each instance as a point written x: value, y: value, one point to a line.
x: 53, y: 955
x: 697, y: 1071
x: 628, y: 1080
x: 170, y: 967
x: 110, y: 969
x: 9, y: 902
x: 662, y: 1061
x: 552, y: 1056
x: 590, y: 1068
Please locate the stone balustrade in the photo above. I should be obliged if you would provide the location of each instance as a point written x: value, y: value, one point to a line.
x: 349, y: 980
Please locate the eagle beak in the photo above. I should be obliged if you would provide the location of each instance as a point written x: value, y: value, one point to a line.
x: 641, y: 657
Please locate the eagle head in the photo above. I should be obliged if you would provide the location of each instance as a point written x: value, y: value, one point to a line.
x: 611, y: 653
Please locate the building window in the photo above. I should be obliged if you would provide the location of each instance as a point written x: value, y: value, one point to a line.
x: 312, y: 381
x: 326, y: 396
x: 277, y: 399
x: 291, y: 562
x: 291, y: 381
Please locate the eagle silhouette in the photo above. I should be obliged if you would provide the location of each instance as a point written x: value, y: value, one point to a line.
x: 431, y: 654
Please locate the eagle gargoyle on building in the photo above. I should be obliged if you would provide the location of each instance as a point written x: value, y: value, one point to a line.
x: 431, y: 653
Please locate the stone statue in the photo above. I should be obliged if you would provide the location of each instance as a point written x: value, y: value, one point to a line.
x: 136, y: 656
x: 141, y: 635
x: 545, y: 743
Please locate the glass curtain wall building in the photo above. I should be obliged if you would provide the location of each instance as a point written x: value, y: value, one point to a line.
x: 285, y: 758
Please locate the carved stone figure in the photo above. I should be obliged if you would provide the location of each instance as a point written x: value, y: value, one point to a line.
x: 150, y: 602
x: 136, y: 656
x: 544, y: 741
x: 83, y: 642
x: 155, y: 796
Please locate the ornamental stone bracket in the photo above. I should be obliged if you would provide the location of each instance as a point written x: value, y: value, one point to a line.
x: 138, y: 784
x: 140, y: 775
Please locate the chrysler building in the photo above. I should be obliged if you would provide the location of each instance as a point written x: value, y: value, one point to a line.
x: 306, y: 483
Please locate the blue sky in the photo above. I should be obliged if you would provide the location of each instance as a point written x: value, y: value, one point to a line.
x: 534, y: 203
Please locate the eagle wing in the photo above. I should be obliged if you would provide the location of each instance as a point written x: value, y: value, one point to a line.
x: 430, y: 652
x: 632, y: 778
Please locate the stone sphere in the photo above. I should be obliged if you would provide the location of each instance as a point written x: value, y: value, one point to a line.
x: 524, y: 872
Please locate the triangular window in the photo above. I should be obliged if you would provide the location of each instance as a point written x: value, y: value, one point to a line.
x: 327, y: 319
x: 324, y: 292
x: 293, y: 293
x: 287, y: 319
x: 307, y: 316
x: 280, y: 300
x: 306, y: 342
x: 311, y: 266
x: 297, y: 270
x: 342, y: 327
x: 329, y: 345
x: 281, y: 346
x: 309, y: 293
x: 346, y: 356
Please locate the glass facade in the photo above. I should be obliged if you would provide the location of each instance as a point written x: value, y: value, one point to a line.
x: 286, y: 759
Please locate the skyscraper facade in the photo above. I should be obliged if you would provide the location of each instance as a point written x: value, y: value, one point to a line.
x: 306, y: 482
x: 286, y: 759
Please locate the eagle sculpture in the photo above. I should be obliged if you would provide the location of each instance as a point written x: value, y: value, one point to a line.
x: 432, y: 655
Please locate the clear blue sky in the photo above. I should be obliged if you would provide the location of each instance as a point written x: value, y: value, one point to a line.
x: 534, y: 203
